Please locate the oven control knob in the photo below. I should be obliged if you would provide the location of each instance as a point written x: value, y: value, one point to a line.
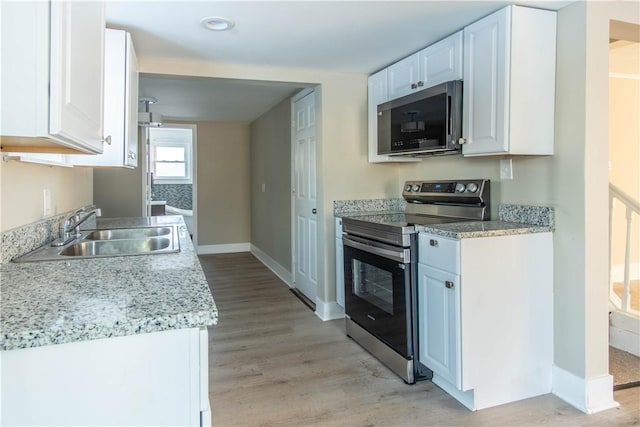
x: 407, y: 187
x: 460, y: 187
x: 472, y: 188
x: 415, y: 187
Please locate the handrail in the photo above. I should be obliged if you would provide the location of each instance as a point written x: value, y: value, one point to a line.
x: 624, y: 198
x: 631, y: 206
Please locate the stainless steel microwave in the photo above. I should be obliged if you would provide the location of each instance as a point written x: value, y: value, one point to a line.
x: 422, y: 123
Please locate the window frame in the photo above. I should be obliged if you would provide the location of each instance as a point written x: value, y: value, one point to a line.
x: 188, y: 161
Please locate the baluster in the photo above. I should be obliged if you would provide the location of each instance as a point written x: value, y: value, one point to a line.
x: 626, y: 300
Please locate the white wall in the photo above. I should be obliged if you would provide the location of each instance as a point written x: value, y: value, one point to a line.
x: 22, y: 185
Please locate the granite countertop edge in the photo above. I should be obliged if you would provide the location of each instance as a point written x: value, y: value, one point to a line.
x: 15, y: 333
x: 88, y: 332
x: 475, y: 229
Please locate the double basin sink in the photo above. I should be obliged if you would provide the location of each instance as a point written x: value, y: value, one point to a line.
x: 109, y: 243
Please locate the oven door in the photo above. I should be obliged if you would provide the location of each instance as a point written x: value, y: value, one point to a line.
x: 377, y: 283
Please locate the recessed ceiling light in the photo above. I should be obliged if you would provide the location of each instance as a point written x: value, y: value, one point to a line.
x: 217, y: 23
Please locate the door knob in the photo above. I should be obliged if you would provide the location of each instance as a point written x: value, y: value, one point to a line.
x: 314, y: 211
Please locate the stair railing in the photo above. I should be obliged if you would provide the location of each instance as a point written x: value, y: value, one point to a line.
x: 632, y: 206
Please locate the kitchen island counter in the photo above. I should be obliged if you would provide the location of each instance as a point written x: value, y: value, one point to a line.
x: 58, y: 302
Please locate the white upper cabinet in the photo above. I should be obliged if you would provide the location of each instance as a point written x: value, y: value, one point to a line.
x: 509, y: 83
x: 442, y: 62
x: 52, y: 76
x: 438, y: 63
x: 120, y: 104
x: 403, y: 77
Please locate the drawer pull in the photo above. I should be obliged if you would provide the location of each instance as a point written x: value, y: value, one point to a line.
x: 433, y: 242
x: 448, y: 284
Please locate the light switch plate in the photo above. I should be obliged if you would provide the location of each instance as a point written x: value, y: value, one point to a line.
x: 46, y: 202
x: 506, y: 169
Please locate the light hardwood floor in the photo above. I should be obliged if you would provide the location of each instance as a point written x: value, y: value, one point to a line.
x: 274, y: 363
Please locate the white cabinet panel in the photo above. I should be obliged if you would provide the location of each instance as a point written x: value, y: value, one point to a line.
x: 442, y: 61
x: 439, y: 322
x: 509, y: 83
x: 403, y: 75
x: 147, y: 379
x: 120, y: 104
x: 52, y: 81
x: 339, y: 264
x: 485, y: 84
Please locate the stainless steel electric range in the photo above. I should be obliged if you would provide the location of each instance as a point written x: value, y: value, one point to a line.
x: 380, y: 261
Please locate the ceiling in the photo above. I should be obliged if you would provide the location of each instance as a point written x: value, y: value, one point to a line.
x: 343, y: 36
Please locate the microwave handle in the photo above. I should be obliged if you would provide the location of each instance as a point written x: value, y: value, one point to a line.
x: 449, y: 118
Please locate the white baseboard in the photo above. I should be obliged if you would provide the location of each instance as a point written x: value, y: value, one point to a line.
x: 617, y: 272
x: 328, y: 310
x: 223, y: 249
x: 277, y: 269
x: 589, y: 396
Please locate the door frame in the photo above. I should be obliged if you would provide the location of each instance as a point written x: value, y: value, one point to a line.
x: 194, y: 171
x: 320, y: 261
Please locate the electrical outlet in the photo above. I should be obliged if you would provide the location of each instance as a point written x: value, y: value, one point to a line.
x: 46, y: 202
x: 506, y: 169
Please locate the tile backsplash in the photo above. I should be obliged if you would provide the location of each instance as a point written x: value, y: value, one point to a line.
x: 176, y: 195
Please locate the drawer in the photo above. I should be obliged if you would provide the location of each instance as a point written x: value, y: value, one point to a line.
x: 439, y: 252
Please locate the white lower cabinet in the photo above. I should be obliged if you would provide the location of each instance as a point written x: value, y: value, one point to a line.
x: 439, y: 300
x: 158, y: 378
x: 485, y: 316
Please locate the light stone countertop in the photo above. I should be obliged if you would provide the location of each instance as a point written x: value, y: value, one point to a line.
x: 55, y: 302
x: 474, y: 229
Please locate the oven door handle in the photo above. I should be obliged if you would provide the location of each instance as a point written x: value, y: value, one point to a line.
x: 396, y: 254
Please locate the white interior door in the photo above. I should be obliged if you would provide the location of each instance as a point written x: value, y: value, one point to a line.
x: 305, y: 259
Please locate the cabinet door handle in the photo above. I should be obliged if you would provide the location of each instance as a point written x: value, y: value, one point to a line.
x: 448, y: 284
x: 314, y: 211
x: 433, y: 242
x: 413, y: 85
x: 107, y: 139
x: 420, y: 83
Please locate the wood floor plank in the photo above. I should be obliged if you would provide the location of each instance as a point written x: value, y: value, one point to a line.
x: 273, y: 362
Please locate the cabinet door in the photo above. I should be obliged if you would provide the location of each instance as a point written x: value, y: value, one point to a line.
x: 76, y: 73
x: 402, y: 75
x: 439, y: 323
x: 442, y: 61
x: 131, y: 107
x: 485, y: 98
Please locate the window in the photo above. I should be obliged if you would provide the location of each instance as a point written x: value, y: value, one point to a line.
x: 171, y: 155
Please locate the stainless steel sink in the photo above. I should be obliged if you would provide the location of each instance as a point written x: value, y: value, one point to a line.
x: 111, y: 243
x: 128, y: 233
x: 116, y: 247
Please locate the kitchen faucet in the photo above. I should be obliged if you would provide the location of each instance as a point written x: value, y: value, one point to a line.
x: 70, y: 227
